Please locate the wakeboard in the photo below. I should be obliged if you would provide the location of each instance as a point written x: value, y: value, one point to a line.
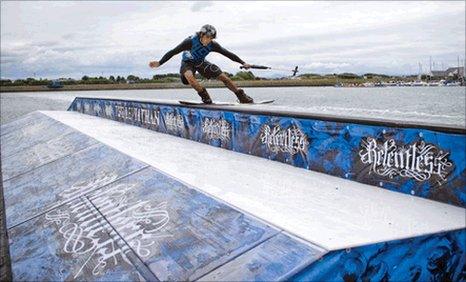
x: 225, y: 103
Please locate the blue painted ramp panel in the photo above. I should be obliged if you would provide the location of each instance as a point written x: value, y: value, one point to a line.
x: 179, y: 233
x: 25, y: 137
x: 71, y: 242
x: 65, y: 179
x: 26, y: 120
x: 182, y: 234
x: 43, y: 153
x: 276, y: 259
x: 433, y: 257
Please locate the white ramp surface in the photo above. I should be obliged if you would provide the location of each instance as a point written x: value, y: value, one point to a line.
x: 328, y: 211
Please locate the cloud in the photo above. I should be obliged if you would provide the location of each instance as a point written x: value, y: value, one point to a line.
x: 121, y: 38
x: 200, y: 5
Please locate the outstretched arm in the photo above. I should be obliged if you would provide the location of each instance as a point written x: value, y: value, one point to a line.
x: 185, y: 45
x: 219, y: 49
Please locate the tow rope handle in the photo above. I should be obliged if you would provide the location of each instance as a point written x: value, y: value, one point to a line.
x: 257, y: 67
x: 294, y: 71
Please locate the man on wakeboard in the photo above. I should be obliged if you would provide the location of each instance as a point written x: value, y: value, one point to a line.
x: 196, y: 48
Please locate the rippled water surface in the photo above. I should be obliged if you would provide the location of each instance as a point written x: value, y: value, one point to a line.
x: 436, y: 105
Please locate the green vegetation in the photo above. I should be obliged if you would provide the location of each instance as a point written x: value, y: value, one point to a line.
x: 312, y: 78
x: 172, y: 80
x: 131, y: 79
x: 243, y: 75
x: 159, y: 78
x: 20, y: 82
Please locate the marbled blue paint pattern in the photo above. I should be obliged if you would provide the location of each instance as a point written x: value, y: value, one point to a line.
x: 436, y: 257
x: 63, y: 180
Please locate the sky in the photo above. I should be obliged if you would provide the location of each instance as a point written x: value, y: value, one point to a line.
x: 53, y: 39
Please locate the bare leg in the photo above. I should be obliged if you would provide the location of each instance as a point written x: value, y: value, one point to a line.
x: 193, y: 81
x: 228, y: 82
x: 242, y: 97
x: 198, y: 87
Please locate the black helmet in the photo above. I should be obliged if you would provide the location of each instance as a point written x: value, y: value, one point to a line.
x: 209, y: 30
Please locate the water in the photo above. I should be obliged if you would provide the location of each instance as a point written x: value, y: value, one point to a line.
x: 435, y: 105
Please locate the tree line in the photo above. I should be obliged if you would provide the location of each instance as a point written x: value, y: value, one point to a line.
x: 158, y: 78
x: 171, y: 78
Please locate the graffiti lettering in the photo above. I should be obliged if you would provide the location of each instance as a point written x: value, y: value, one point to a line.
x: 291, y: 140
x: 144, y: 116
x: 140, y: 223
x: 216, y: 129
x: 419, y: 160
x: 174, y: 122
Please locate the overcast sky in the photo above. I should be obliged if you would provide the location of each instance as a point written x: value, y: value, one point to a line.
x: 72, y: 39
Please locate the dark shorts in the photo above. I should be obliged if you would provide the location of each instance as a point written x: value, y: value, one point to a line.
x: 205, y: 68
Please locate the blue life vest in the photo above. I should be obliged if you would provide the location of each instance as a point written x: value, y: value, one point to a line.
x: 198, y: 51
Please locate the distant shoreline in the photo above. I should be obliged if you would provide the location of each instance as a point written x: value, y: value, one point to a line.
x: 171, y: 85
x: 315, y: 82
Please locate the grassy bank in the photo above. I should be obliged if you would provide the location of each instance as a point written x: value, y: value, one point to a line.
x: 174, y: 85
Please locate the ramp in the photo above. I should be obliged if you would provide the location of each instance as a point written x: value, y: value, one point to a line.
x: 78, y: 209
x: 120, y: 202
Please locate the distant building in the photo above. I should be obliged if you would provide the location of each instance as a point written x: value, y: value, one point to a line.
x: 448, y: 73
x: 458, y: 71
x: 438, y: 73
